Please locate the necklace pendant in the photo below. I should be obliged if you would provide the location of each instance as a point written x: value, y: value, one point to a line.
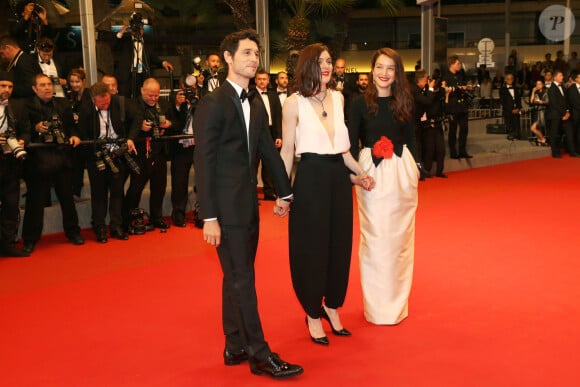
x: 324, y: 114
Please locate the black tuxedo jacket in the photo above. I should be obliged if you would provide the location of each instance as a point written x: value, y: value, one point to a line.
x: 275, y: 111
x: 508, y: 102
x: 24, y: 71
x: 225, y: 158
x: 204, y: 90
x: 557, y: 104
x: 126, y: 51
x: 573, y: 99
x: 139, y: 114
x: 18, y: 116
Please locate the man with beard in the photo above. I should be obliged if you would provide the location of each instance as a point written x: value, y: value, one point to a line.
x: 210, y: 79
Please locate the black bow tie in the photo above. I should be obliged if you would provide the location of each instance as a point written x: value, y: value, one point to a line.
x: 246, y: 94
x: 264, y: 92
x: 282, y: 92
x: 47, y: 63
x: 340, y: 78
x: 509, y: 87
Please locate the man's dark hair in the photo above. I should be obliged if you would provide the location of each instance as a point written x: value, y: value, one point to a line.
x: 8, y: 41
x: 232, y: 41
x: 420, y: 74
x: 452, y: 59
x: 99, y: 89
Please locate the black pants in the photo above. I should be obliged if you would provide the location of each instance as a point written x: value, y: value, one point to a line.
x: 320, y: 232
x: 557, y: 127
x: 240, y: 318
x: 154, y: 171
x: 107, y: 191
x: 433, y: 148
x: 9, y: 199
x: 458, y: 119
x: 53, y: 167
x: 79, y: 165
x: 181, y: 164
x: 512, y: 124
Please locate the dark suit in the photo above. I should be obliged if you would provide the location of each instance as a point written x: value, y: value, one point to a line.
x: 49, y: 165
x: 276, y: 132
x: 508, y: 104
x: 24, y: 69
x: 9, y: 176
x: 226, y: 169
x: 573, y: 98
x: 151, y: 158
x: 125, y: 71
x: 107, y: 188
x: 557, y: 108
x: 220, y: 78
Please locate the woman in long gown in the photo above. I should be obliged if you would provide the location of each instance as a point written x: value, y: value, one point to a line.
x: 383, y: 122
x: 320, y: 225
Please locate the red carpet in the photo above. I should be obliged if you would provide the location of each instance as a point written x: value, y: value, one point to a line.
x: 494, y: 300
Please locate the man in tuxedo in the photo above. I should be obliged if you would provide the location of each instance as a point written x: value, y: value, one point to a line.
x: 104, y: 120
x: 511, y: 103
x: 573, y: 98
x: 211, y: 78
x: 559, y: 113
x: 282, y: 86
x: 23, y: 67
x: 136, y: 59
x: 14, y: 125
x: 50, y: 67
x: 274, y: 110
x: 52, y: 121
x: 230, y: 131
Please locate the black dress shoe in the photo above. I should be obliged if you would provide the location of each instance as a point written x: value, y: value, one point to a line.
x: 76, y: 239
x: 275, y: 367
x: 465, y: 156
x: 178, y: 221
x: 235, y: 358
x: 574, y: 155
x: 28, y: 247
x: 556, y: 155
x: 160, y: 224
x: 454, y: 157
x: 342, y: 332
x: 119, y: 233
x: 442, y: 175
x: 12, y: 251
x: 101, y: 234
x: 317, y: 340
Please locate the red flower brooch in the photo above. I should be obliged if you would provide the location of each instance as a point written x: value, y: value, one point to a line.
x: 383, y: 149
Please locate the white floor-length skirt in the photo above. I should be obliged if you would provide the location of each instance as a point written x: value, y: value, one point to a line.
x: 387, y: 241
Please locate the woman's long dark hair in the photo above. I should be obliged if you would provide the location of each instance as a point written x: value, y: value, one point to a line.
x: 308, y: 72
x: 402, y: 103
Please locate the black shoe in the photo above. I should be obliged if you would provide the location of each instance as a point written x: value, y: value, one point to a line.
x: 28, y: 247
x: 455, y: 157
x: 556, y: 155
x: 342, y: 332
x: 76, y: 239
x: 119, y: 233
x: 12, y: 251
x: 442, y: 175
x: 235, y: 358
x: 574, y: 155
x: 275, y: 367
x: 465, y: 156
x: 160, y: 224
x: 317, y: 340
x: 178, y: 221
x: 101, y: 234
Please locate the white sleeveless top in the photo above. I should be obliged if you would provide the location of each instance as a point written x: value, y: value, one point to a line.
x: 312, y: 137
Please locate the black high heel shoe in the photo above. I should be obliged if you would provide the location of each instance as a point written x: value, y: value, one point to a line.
x: 342, y: 332
x: 317, y: 340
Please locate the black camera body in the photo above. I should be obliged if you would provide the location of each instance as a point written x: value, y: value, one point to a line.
x: 38, y: 8
x: 11, y: 146
x: 137, y: 22
x: 55, y: 131
x: 109, y: 149
x: 123, y: 151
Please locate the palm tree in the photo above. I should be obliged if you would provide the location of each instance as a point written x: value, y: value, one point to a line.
x: 242, y: 14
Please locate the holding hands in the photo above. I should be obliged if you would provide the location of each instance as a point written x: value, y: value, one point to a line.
x: 282, y: 207
x: 363, y: 180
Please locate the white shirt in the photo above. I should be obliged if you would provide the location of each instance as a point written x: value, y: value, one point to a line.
x: 50, y: 70
x: 282, y: 94
x: 266, y: 103
x: 245, y: 108
x: 106, y: 129
x: 3, y: 119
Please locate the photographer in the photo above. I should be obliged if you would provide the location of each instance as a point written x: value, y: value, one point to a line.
x: 31, y: 24
x: 136, y: 57
x: 211, y: 78
x: 457, y: 108
x: 181, y: 152
x: 106, y: 120
x: 14, y: 130
x: 22, y: 66
x: 148, y: 125
x: 52, y: 122
x: 50, y: 67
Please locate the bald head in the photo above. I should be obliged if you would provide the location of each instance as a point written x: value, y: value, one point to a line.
x: 150, y: 91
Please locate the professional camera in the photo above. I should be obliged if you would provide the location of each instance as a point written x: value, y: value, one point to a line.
x: 465, y: 97
x: 12, y: 146
x: 189, y: 90
x: 123, y: 151
x: 155, y: 120
x: 196, y: 62
x: 139, y: 223
x: 137, y: 21
x: 54, y: 131
x: 104, y: 160
x: 38, y: 8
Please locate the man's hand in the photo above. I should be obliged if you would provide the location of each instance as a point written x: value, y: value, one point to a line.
x: 74, y: 141
x: 131, y: 147
x: 41, y: 127
x: 146, y: 125
x: 167, y: 65
x: 278, y: 143
x: 212, y: 232
x: 282, y: 207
